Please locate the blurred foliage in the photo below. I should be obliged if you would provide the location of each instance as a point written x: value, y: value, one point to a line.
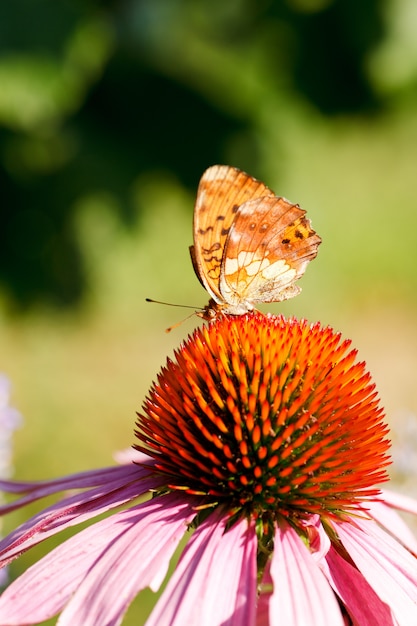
x: 95, y: 94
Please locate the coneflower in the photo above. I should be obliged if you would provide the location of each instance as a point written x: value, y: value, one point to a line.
x: 264, y: 439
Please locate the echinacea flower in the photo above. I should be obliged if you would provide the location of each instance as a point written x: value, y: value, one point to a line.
x: 10, y: 419
x: 264, y: 439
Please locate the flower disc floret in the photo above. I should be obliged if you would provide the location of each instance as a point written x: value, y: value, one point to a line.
x: 268, y: 415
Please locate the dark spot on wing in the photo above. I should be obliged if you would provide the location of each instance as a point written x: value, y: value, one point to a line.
x: 209, y: 260
x: 299, y: 234
x: 203, y: 231
x: 213, y: 248
x: 285, y: 241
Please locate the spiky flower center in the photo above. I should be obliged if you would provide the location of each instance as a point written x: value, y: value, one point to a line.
x: 269, y: 415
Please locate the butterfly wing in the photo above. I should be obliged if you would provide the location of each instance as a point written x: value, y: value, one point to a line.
x: 268, y: 248
x: 222, y: 190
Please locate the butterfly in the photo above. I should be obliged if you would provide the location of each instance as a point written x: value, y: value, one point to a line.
x: 250, y: 246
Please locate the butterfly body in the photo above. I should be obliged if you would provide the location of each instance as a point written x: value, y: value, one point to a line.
x: 250, y: 246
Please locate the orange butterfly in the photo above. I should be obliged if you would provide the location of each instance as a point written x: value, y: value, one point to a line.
x: 250, y: 245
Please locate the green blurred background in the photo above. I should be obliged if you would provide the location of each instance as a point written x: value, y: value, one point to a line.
x: 109, y: 114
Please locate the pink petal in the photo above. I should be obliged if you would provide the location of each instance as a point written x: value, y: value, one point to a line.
x: 264, y: 598
x: 386, y: 565
x: 301, y: 593
x: 93, y: 478
x: 104, y: 566
x: 262, y: 613
x: 215, y: 581
x: 71, y: 511
x: 399, y: 501
x: 130, y: 455
x: 317, y: 537
x: 41, y: 489
x: 357, y: 595
x: 393, y: 523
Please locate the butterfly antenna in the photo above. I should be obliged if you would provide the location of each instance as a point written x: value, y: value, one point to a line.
x: 184, y: 306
